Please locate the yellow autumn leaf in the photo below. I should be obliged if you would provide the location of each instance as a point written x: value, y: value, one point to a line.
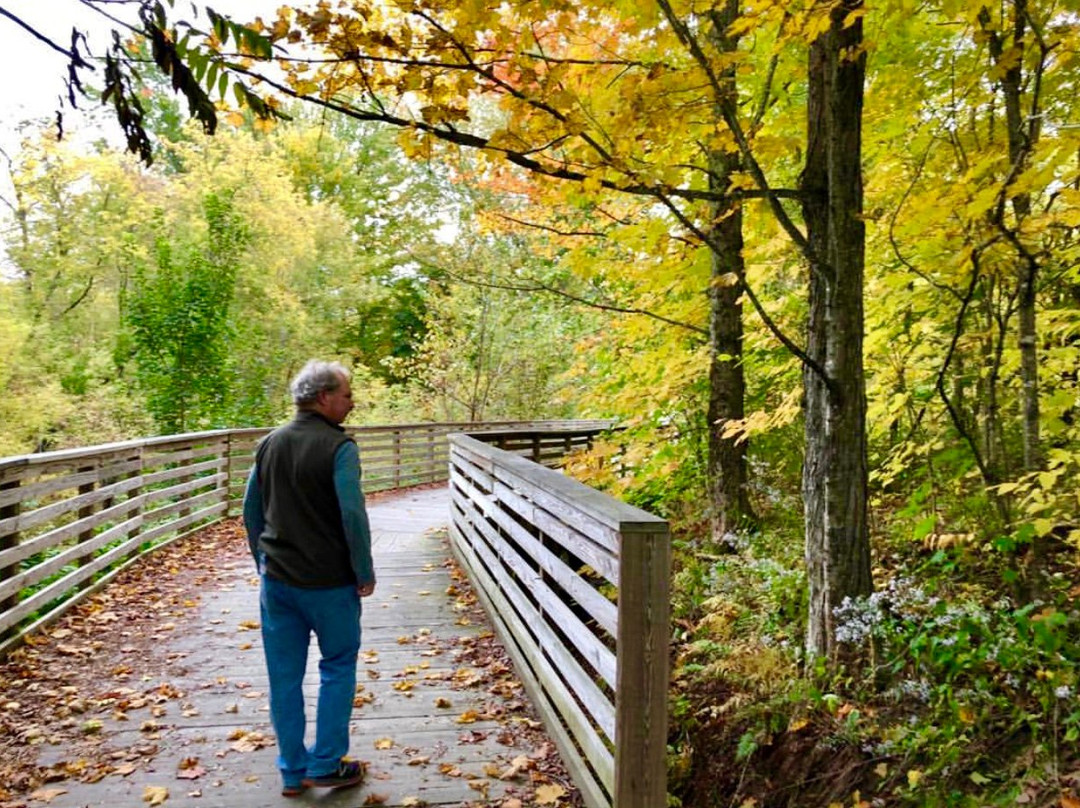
x: 549, y: 794
x: 155, y: 795
x: 914, y: 777
x: 479, y: 785
x: 384, y: 743
x: 47, y: 794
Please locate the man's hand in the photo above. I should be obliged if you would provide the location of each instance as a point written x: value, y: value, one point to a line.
x: 364, y: 590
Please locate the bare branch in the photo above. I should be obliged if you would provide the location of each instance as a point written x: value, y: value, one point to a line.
x: 70, y: 54
x: 538, y: 286
x: 550, y: 229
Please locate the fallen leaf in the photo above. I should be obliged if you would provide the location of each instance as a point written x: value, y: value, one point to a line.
x: 47, y: 794
x: 155, y: 795
x: 518, y: 765
x: 375, y: 799
x: 549, y: 794
x: 384, y: 743
x: 190, y: 769
x: 443, y: 702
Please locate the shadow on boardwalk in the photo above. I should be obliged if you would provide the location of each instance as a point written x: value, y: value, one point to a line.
x: 155, y: 690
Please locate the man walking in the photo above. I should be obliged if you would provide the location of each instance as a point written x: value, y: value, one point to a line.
x: 308, y: 531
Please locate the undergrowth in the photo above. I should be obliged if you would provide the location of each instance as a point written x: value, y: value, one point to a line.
x: 948, y: 692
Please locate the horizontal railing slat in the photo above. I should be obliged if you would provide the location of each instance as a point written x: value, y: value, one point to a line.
x: 552, y: 612
x: 519, y: 528
x: 560, y: 706
x: 78, y: 551
x: 87, y: 497
x: 33, y: 518
x: 45, y: 541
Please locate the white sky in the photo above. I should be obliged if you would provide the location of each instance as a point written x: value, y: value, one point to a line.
x: 33, y: 73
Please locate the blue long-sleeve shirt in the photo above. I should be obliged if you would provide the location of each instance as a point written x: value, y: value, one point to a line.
x: 354, y: 519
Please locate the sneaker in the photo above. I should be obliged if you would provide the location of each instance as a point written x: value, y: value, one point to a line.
x: 349, y: 773
x: 292, y: 790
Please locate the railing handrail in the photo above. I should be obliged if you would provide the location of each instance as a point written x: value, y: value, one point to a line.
x: 557, y: 627
x: 83, y: 452
x: 71, y: 520
x: 60, y: 504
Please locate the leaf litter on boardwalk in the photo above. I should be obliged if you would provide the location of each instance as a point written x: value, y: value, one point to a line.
x: 68, y: 678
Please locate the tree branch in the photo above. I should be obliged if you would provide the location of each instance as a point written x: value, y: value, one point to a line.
x: 770, y: 324
x: 538, y: 286
x: 72, y: 55
x: 549, y: 228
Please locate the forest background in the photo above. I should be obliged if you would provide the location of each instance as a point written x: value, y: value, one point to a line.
x: 544, y: 210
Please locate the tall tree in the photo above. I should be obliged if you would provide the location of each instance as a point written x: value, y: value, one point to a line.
x: 178, y: 313
x: 543, y: 65
x: 835, y: 469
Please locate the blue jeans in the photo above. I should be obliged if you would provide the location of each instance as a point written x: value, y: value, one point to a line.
x: 289, y: 615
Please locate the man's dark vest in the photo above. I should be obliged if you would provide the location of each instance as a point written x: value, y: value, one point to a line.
x: 303, y: 541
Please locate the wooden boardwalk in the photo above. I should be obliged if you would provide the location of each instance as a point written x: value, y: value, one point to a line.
x: 437, y: 724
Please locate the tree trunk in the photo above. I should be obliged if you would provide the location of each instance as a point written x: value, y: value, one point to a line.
x: 730, y: 503
x: 835, y: 470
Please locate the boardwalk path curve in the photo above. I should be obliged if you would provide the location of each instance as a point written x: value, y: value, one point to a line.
x: 145, y: 707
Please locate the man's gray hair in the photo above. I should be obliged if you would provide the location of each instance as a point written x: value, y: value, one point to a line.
x: 316, y: 377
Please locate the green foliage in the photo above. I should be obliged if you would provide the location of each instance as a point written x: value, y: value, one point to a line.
x: 178, y: 313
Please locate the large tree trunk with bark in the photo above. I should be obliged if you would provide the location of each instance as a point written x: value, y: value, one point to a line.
x: 730, y: 503
x: 835, y: 470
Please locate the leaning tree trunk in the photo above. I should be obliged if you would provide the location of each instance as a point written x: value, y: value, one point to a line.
x: 835, y: 470
x: 730, y: 503
x: 1021, y: 142
x: 1023, y: 134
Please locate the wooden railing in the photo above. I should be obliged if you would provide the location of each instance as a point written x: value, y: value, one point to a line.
x: 70, y: 520
x: 576, y: 584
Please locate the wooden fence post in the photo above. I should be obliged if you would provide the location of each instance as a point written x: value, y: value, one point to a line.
x: 133, y: 494
x: 6, y: 543
x: 642, y: 669
x: 228, y: 474
x: 86, y: 510
x: 397, y: 458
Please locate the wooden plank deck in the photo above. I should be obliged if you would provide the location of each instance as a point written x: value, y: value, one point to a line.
x: 437, y: 727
